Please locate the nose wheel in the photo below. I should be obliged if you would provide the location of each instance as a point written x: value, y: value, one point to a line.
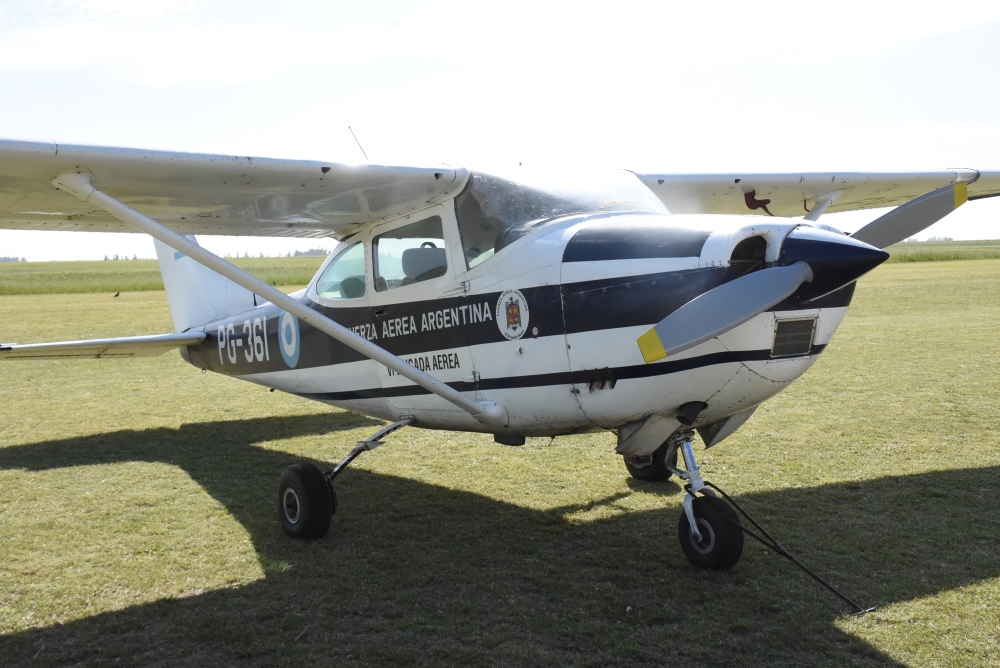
x: 710, y: 531
x: 719, y: 544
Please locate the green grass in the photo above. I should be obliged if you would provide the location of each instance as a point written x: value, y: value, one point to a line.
x: 137, y: 513
x: 944, y: 251
x: 30, y: 278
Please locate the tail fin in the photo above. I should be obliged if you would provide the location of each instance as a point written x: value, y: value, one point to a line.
x: 195, y: 293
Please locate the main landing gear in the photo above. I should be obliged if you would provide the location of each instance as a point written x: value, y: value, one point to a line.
x: 306, y: 498
x: 710, y: 531
x: 656, y: 467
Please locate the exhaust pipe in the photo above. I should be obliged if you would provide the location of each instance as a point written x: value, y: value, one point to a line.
x: 689, y: 412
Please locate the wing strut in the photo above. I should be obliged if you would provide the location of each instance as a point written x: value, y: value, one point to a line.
x: 79, y: 185
x: 823, y: 203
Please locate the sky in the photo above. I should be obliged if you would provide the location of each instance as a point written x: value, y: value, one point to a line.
x: 650, y: 86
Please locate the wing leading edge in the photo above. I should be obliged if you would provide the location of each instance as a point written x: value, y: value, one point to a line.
x: 231, y: 195
x: 800, y: 194
x: 212, y: 194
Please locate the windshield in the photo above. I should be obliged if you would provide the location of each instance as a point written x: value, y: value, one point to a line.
x: 493, y: 211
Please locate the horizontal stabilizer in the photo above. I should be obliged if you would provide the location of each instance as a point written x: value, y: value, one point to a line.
x: 129, y: 346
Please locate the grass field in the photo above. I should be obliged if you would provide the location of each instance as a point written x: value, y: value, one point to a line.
x: 137, y: 520
x: 31, y: 278
x: 944, y: 251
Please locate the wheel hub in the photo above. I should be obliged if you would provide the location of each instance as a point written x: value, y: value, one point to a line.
x: 291, y: 505
x: 707, y: 542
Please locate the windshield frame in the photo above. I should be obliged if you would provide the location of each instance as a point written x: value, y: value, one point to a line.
x: 494, y: 210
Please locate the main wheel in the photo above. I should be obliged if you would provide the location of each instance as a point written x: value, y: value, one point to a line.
x: 651, y: 467
x: 306, y: 502
x: 721, y: 544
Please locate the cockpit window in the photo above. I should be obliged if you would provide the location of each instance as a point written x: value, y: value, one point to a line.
x: 494, y: 211
x: 344, y: 276
x: 410, y: 254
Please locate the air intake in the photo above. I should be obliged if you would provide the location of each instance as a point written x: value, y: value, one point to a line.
x: 793, y: 337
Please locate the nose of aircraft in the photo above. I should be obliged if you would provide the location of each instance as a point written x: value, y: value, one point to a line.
x: 836, y: 260
x: 812, y: 263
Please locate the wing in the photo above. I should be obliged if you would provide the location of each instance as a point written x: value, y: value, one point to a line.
x: 130, y: 346
x: 211, y: 194
x: 799, y: 194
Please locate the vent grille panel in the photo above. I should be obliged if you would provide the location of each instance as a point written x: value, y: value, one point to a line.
x: 793, y: 338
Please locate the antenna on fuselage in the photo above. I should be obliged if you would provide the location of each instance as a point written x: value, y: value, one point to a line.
x: 358, y: 143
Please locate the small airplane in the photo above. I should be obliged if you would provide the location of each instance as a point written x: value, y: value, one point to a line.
x: 649, y: 305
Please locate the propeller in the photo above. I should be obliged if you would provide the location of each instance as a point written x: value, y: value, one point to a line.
x: 722, y: 308
x: 916, y: 215
x: 813, y: 263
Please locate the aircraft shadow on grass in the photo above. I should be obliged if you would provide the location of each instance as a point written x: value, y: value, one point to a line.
x: 467, y: 579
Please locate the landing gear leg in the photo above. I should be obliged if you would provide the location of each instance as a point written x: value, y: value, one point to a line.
x: 709, y: 530
x: 306, y: 498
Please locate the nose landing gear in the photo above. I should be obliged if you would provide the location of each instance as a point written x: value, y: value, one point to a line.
x: 710, y: 531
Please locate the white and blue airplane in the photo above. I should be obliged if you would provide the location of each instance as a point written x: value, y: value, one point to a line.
x: 649, y: 305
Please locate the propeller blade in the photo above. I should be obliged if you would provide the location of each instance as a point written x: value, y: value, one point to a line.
x: 916, y: 215
x: 722, y: 308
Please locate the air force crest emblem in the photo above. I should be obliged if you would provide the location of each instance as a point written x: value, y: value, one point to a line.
x: 512, y: 314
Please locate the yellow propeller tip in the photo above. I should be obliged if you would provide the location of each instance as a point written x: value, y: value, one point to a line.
x: 961, y: 193
x: 651, y: 347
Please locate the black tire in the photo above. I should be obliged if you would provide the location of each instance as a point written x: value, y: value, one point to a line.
x: 305, y: 502
x: 722, y: 538
x: 651, y: 467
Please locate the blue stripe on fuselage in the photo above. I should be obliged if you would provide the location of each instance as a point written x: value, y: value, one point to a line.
x: 408, y: 329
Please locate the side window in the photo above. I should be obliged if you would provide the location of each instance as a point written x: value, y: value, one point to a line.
x: 344, y: 277
x: 410, y: 254
x: 478, y: 222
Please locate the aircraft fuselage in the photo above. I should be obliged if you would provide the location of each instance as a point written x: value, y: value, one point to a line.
x: 545, y: 327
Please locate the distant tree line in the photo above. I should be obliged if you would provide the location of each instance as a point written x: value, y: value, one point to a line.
x: 320, y: 252
x: 914, y: 240
x: 12, y: 259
